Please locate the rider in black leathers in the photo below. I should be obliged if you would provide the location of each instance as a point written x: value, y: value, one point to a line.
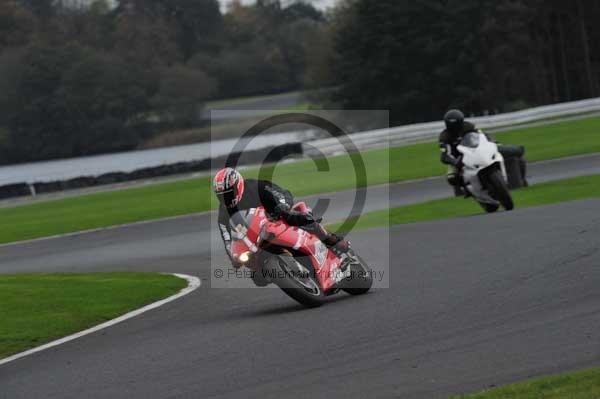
x: 456, y: 128
x: 450, y: 138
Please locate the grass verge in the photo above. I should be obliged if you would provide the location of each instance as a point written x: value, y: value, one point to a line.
x: 40, y: 308
x: 303, y: 178
x: 540, y: 194
x: 578, y: 385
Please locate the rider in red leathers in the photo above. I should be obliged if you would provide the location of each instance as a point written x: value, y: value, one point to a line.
x: 238, y: 194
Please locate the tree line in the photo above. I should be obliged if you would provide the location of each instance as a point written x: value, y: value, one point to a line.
x: 418, y: 58
x: 80, y: 77
x: 86, y: 77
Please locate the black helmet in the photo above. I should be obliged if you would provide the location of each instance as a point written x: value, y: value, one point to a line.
x: 454, y: 120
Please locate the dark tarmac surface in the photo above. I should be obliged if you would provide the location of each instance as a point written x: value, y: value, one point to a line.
x: 473, y: 302
x: 155, y: 245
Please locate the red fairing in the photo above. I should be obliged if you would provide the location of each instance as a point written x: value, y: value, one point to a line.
x: 251, y: 233
x: 325, y: 262
x: 238, y: 248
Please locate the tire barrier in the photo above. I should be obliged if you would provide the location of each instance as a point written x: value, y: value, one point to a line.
x: 15, y: 190
x: 515, y: 164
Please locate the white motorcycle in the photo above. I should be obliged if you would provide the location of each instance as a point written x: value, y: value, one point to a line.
x: 484, y: 173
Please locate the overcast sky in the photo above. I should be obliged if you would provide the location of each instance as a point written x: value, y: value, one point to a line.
x: 321, y: 4
x: 317, y: 3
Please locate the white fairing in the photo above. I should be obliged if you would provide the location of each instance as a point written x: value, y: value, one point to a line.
x: 482, y: 154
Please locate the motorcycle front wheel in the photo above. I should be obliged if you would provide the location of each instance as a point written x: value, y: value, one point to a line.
x: 298, y: 281
x: 499, y: 189
x: 361, y: 279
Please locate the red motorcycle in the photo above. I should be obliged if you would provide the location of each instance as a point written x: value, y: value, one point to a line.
x: 294, y: 259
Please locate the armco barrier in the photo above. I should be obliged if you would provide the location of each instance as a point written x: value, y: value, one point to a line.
x: 396, y: 136
x: 410, y: 134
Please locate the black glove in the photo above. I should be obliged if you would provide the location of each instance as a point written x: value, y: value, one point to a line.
x: 292, y: 217
x: 459, y: 163
x: 280, y: 209
x: 301, y: 219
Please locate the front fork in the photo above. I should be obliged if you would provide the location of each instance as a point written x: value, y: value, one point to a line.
x: 503, y: 169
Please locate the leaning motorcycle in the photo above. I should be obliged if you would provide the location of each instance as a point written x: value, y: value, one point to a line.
x: 294, y: 259
x: 484, y: 173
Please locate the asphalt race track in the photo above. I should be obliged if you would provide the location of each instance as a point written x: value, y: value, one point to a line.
x: 474, y: 302
x: 161, y: 245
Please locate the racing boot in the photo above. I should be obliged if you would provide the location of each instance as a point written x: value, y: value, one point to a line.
x: 467, y: 192
x: 338, y: 245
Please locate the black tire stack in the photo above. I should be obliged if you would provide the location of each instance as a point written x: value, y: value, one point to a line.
x: 515, y: 164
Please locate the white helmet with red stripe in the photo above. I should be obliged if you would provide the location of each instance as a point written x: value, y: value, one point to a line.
x: 229, y: 187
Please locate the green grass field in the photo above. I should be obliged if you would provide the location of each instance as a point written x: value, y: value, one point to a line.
x: 190, y: 196
x: 579, y: 385
x: 39, y: 308
x: 540, y: 194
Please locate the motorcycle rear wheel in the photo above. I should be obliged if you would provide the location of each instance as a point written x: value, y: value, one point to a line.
x: 489, y: 208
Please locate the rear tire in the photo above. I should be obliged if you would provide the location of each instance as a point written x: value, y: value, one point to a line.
x: 306, y: 290
x: 362, y: 274
x: 499, y: 189
x: 458, y: 191
x: 489, y: 208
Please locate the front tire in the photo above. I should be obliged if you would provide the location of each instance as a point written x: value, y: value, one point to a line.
x: 361, y: 278
x: 297, y: 280
x: 499, y: 189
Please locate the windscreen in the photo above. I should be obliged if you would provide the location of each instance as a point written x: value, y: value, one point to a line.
x: 471, y: 140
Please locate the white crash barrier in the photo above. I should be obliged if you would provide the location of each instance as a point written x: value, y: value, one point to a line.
x: 410, y: 134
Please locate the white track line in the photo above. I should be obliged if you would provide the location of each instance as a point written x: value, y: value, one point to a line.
x: 193, y: 284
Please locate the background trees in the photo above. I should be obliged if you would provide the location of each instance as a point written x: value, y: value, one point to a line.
x: 85, y: 76
x: 419, y: 57
x: 80, y: 77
